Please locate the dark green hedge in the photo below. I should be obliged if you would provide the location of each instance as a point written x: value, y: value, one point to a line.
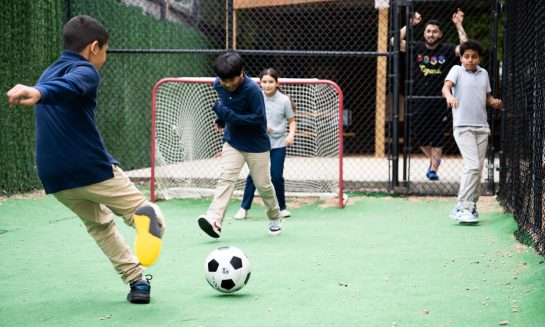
x: 33, y: 40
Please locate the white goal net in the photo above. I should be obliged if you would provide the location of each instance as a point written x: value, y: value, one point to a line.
x: 186, y: 149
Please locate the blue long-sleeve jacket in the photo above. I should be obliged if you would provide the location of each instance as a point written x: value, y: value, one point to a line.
x: 70, y: 151
x: 244, y: 116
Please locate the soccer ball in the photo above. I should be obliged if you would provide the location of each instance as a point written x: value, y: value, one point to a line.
x: 227, y: 269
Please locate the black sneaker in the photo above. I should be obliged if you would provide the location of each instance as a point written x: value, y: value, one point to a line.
x: 140, y: 290
x: 209, y: 226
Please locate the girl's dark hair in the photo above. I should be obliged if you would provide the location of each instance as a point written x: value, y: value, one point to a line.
x: 471, y: 45
x: 228, y: 65
x: 274, y: 74
x: 82, y: 30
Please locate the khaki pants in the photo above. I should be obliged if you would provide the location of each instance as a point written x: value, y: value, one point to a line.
x: 232, y: 162
x: 96, y: 205
x: 472, y: 142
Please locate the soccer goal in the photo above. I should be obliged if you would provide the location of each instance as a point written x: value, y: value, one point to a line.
x: 186, y: 149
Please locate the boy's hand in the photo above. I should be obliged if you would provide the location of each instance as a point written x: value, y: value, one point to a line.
x: 452, y: 102
x: 495, y: 103
x: 290, y: 139
x: 22, y: 94
x: 218, y: 128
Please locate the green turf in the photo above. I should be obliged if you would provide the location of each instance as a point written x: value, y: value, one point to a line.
x: 381, y: 261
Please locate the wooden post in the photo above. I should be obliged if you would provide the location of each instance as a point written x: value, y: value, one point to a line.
x: 230, y: 22
x: 380, y: 100
x: 234, y: 28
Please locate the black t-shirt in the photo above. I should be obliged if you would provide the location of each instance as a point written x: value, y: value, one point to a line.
x: 430, y: 67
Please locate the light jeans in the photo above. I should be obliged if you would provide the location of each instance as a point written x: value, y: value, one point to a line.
x: 232, y: 162
x: 472, y: 142
x: 96, y: 205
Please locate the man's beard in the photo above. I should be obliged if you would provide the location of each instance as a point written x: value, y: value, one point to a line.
x: 432, y: 43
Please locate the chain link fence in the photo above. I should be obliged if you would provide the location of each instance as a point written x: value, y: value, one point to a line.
x: 301, y: 40
x: 347, y: 42
x: 298, y: 38
x: 522, y: 157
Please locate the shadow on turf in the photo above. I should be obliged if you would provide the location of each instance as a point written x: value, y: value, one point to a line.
x: 219, y: 295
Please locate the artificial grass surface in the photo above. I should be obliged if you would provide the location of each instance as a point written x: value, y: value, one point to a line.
x: 380, y: 261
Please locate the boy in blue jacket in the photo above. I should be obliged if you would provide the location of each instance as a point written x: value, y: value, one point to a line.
x: 73, y: 163
x: 243, y: 119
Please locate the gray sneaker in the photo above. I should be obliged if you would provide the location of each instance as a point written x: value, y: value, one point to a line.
x: 274, y: 227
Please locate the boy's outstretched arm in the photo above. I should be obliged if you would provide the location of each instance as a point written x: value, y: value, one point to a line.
x: 22, y: 94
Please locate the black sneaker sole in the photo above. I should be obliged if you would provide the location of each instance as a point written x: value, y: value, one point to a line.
x: 138, y: 298
x: 207, y: 228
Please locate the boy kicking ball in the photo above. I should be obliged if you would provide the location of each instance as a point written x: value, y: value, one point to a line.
x: 467, y: 91
x: 73, y: 163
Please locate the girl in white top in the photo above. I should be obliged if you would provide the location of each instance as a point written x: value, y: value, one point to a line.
x: 280, y: 112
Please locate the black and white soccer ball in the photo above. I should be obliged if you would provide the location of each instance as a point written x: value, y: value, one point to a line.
x: 227, y: 269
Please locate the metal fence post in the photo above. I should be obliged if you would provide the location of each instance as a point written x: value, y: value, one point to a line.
x: 395, y: 101
x: 493, y: 81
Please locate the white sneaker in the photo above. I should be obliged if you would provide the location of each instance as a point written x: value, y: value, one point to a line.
x: 274, y: 227
x: 474, y: 212
x: 284, y: 213
x: 467, y: 217
x: 456, y: 212
x: 241, y: 214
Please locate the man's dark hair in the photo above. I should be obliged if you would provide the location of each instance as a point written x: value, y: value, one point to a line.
x: 433, y: 22
x: 471, y: 45
x: 228, y: 65
x: 82, y: 30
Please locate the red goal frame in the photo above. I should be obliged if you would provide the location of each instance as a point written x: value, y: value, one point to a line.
x: 282, y: 81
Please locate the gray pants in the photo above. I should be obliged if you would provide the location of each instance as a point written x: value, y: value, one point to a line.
x: 232, y: 162
x: 472, y: 142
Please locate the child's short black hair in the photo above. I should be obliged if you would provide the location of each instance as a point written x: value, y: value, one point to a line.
x: 82, y: 30
x: 471, y: 45
x: 228, y: 65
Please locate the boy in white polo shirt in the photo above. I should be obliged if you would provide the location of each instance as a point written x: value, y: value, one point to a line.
x: 467, y: 91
